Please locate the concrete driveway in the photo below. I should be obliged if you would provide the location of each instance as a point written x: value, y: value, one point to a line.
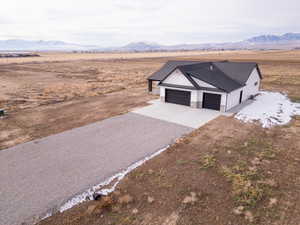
x: 179, y: 114
x: 41, y: 175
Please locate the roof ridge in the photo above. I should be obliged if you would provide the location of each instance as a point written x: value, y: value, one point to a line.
x: 226, y: 74
x: 192, y: 64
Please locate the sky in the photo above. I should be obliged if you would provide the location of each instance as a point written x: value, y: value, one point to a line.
x: 119, y: 22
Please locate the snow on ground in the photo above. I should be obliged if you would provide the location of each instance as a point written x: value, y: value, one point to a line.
x: 113, y: 181
x: 269, y: 109
x: 89, y: 194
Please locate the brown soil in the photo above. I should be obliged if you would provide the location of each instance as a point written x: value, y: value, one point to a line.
x: 30, y: 124
x: 44, y: 99
x: 239, y: 175
x: 243, y: 174
x: 82, y: 88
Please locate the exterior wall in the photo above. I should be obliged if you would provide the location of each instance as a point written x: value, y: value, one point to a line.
x: 196, y: 97
x: 233, y: 98
x: 249, y: 89
x: 155, y: 88
x: 177, y: 78
x: 202, y: 83
x: 162, y: 94
x: 228, y: 101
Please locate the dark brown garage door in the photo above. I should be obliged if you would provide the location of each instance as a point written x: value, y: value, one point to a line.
x: 178, y: 97
x: 211, y: 101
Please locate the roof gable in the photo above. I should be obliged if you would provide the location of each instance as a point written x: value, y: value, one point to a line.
x: 223, y: 75
x: 183, y: 74
x: 167, y: 68
x: 176, y: 77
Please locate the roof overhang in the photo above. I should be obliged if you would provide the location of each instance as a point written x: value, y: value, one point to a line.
x: 178, y: 86
x: 259, y: 72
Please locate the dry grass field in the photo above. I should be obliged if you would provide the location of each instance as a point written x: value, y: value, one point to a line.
x: 66, y: 56
x: 243, y: 174
x: 59, y: 91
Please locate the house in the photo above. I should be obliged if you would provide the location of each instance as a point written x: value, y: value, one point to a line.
x: 212, y: 85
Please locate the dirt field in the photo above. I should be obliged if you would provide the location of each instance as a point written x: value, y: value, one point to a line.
x: 60, y: 91
x: 60, y: 56
x: 243, y: 175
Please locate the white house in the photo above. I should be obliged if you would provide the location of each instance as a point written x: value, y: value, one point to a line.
x: 212, y: 85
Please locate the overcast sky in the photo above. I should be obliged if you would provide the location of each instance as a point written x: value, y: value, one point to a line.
x: 118, y: 22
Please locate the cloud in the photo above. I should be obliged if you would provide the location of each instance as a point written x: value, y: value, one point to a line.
x: 117, y: 22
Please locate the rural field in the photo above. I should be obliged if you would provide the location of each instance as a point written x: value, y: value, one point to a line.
x: 243, y: 174
x: 59, y: 91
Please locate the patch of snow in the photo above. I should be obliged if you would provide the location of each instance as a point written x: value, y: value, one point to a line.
x: 48, y: 214
x: 269, y: 109
x: 88, y: 194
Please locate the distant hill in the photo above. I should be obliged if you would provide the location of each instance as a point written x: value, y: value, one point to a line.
x: 275, y: 38
x: 285, y: 41
x: 26, y: 45
x: 141, y: 46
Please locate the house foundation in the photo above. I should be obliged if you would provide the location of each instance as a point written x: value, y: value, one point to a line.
x: 222, y: 108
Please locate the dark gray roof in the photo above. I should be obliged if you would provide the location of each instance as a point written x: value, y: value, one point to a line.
x: 211, y: 75
x: 168, y: 68
x: 224, y: 75
x: 239, y: 71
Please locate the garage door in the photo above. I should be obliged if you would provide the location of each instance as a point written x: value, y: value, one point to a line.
x: 178, y: 97
x: 211, y: 101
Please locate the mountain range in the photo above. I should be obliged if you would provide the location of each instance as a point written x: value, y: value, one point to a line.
x: 285, y: 41
x: 26, y: 45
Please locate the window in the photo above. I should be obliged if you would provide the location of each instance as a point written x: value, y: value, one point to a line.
x: 256, y: 83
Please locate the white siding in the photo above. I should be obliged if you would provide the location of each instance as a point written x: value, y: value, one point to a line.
x: 251, y: 88
x: 248, y: 90
x: 233, y: 98
x: 230, y: 100
x: 194, y: 96
x: 162, y: 91
x: 177, y: 78
x: 202, y: 83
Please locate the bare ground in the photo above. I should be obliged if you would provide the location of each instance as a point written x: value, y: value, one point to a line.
x: 78, y: 89
x: 243, y: 174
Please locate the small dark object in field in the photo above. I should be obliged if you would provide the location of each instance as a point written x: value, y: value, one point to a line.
x: 2, y: 112
x: 97, y: 196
